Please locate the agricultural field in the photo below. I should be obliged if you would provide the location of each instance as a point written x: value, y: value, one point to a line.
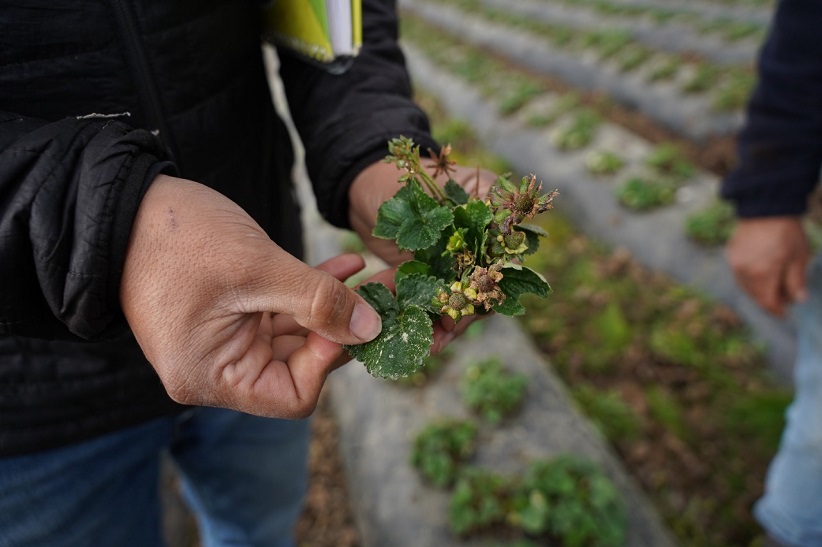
x: 629, y: 108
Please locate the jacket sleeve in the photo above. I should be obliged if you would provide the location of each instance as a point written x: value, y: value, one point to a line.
x: 69, y: 192
x: 346, y: 120
x: 780, y: 146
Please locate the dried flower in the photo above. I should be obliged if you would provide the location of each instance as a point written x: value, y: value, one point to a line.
x: 441, y: 163
x: 485, y: 281
x: 514, y: 204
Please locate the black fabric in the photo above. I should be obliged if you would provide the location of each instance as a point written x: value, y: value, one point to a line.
x: 780, y: 147
x: 96, y: 98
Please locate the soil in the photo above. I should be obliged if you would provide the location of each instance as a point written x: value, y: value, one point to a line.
x: 326, y: 519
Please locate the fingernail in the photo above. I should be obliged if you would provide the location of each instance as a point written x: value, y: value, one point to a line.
x: 365, y: 323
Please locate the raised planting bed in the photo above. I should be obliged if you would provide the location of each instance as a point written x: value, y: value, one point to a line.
x: 656, y: 238
x: 686, y: 98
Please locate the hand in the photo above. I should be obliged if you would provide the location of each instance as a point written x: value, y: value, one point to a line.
x: 377, y: 184
x: 225, y: 316
x: 769, y: 257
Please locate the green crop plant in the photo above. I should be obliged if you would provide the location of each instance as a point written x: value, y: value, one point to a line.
x: 604, y: 162
x: 713, y: 225
x: 580, y: 132
x: 668, y: 159
x: 523, y: 92
x: 640, y: 194
x: 467, y: 257
x: 441, y: 449
x: 479, y: 501
x: 491, y: 391
x: 665, y: 70
x: 571, y: 500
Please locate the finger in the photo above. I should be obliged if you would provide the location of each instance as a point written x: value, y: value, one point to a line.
x: 318, y: 301
x: 795, y: 287
x: 342, y: 266
x: 286, y: 389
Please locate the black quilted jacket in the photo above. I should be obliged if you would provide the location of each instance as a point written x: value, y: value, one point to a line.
x: 96, y: 98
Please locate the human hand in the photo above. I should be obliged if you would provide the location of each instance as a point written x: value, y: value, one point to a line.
x: 769, y: 257
x: 227, y: 317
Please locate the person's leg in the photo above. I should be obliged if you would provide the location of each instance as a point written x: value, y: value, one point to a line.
x: 99, y: 492
x: 244, y: 476
x: 791, y: 509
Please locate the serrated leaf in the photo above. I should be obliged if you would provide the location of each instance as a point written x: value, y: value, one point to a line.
x: 516, y: 281
x: 392, y: 214
x: 475, y: 217
x: 455, y: 192
x: 419, y: 290
x: 403, y: 343
x: 424, y: 228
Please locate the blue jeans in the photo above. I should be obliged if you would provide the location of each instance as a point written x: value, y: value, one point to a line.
x: 243, y: 476
x: 791, y: 509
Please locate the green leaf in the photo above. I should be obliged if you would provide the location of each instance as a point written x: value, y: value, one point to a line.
x: 475, y: 217
x: 411, y: 267
x: 441, y: 264
x: 423, y: 230
x: 455, y: 192
x: 392, y: 214
x: 404, y: 342
x: 419, y: 290
x: 516, y: 281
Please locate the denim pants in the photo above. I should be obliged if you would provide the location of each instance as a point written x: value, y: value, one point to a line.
x: 791, y: 508
x: 243, y: 476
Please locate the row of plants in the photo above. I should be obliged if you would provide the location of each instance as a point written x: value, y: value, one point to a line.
x: 670, y: 378
x: 728, y: 28
x: 564, y: 500
x: 574, y: 125
x: 727, y: 87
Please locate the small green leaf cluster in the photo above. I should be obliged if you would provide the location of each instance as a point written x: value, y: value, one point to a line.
x: 492, y: 392
x: 468, y: 253
x: 604, y: 162
x: 640, y: 194
x: 713, y: 225
x: 441, y: 448
x: 564, y: 500
x: 570, y: 499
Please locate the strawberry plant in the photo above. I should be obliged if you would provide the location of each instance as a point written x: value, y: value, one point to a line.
x: 468, y: 252
x: 479, y: 501
x: 572, y: 500
x: 441, y: 448
x: 491, y: 391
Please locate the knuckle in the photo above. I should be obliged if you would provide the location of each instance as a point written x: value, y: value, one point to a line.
x: 329, y: 304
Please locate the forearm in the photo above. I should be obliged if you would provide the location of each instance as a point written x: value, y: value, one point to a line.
x: 70, y: 190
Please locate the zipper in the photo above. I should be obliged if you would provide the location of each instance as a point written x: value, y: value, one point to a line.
x: 145, y: 81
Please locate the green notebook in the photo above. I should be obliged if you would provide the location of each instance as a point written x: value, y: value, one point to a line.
x: 328, y: 32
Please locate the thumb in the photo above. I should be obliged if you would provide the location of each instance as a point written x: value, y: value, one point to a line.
x: 321, y: 303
